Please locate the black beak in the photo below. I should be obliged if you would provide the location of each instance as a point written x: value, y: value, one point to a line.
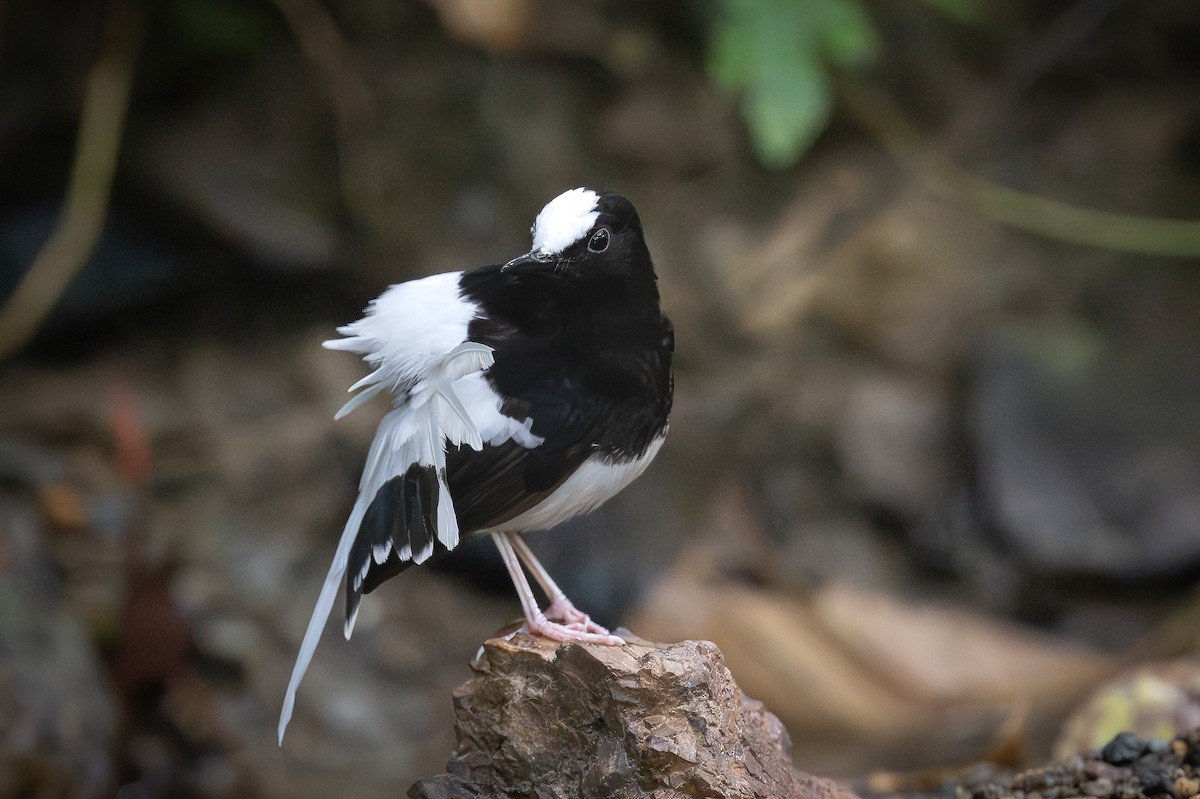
x: 532, y: 261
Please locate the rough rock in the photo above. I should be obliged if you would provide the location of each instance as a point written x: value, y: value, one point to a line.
x: 542, y: 719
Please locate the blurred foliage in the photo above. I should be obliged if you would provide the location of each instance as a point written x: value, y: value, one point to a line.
x: 227, y: 28
x: 782, y: 56
x: 965, y: 11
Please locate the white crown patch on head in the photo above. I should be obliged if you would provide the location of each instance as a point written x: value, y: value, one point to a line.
x: 565, y: 220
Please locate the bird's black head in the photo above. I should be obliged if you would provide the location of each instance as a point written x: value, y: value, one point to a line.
x: 583, y: 234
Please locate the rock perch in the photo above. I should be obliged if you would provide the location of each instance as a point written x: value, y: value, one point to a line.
x: 544, y: 719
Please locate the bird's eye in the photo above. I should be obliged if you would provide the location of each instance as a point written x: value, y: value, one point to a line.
x: 599, y: 240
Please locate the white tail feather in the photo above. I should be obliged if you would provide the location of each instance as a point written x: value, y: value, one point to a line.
x: 379, y: 552
x: 316, y: 622
x: 357, y: 400
x: 344, y: 344
x: 373, y: 377
x: 447, y: 519
x: 425, y: 553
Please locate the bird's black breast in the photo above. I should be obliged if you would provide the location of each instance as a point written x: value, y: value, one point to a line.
x: 589, y: 365
x: 591, y: 361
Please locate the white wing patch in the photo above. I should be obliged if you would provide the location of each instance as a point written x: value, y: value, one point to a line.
x: 414, y: 336
x: 565, y: 220
x: 405, y: 330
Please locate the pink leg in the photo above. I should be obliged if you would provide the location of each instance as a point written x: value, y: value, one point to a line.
x: 536, y: 621
x: 560, y: 609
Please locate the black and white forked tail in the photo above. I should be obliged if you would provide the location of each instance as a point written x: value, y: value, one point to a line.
x: 405, y: 471
x: 403, y: 517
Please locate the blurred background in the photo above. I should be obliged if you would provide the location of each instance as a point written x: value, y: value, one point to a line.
x: 933, y: 478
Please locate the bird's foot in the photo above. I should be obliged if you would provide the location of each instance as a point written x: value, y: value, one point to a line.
x: 581, y: 629
x: 562, y: 610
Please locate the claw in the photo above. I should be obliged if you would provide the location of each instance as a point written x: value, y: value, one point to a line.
x: 594, y: 634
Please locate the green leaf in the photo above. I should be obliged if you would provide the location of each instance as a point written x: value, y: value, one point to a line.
x: 786, y: 111
x: 777, y: 54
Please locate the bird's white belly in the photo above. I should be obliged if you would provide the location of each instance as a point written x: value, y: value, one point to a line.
x: 592, y: 484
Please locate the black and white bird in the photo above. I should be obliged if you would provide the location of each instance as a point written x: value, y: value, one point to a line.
x: 524, y: 394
